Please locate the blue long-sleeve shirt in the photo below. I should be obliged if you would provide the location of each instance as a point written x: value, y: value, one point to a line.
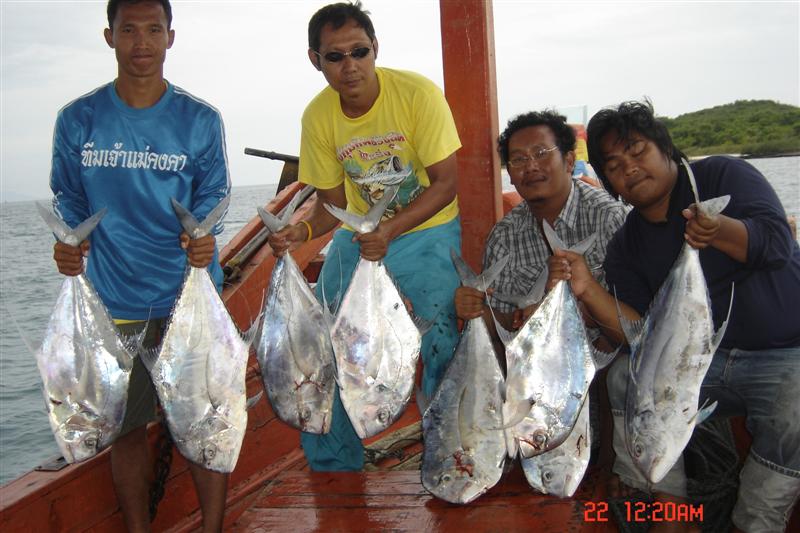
x: 767, y: 287
x: 132, y: 161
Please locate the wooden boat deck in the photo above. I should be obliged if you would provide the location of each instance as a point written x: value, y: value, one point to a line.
x: 298, y: 500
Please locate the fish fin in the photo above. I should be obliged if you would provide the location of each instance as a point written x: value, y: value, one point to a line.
x: 253, y: 400
x: 516, y: 413
x: 536, y: 294
x: 631, y: 329
x: 215, y: 216
x: 423, y: 402
x: 249, y: 336
x: 467, y: 275
x: 717, y: 340
x: 488, y: 276
x: 503, y: 334
x: 63, y: 232
x: 354, y: 221
x: 186, y: 218
x: 703, y: 413
x: 603, y: 359
x: 83, y: 230
x: 25, y: 339
x: 714, y: 206
x: 552, y: 237
x: 271, y: 222
x: 373, y: 216
x: 710, y: 207
x: 149, y: 357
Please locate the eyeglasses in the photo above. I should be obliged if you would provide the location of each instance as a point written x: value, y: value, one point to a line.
x: 355, y: 53
x: 538, y: 155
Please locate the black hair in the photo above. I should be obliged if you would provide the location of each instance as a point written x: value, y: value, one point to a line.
x: 337, y: 16
x: 628, y: 118
x: 113, y: 7
x: 563, y: 132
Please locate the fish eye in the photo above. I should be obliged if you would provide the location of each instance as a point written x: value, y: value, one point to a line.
x: 637, y: 450
x: 547, y: 476
x: 209, y: 452
x: 90, y: 442
x: 383, y: 415
x: 305, y: 414
x: 445, y: 478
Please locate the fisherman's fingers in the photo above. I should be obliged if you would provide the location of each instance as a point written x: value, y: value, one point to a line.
x: 69, y: 259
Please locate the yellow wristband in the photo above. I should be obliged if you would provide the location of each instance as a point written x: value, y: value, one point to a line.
x: 308, y: 227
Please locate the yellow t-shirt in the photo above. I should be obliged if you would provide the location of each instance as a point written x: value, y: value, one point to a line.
x: 408, y: 128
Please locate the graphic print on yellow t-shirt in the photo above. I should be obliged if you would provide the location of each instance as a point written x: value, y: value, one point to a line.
x: 372, y: 164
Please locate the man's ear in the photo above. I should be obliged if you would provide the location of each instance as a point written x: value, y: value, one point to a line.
x: 314, y: 58
x: 109, y: 37
x: 171, y: 38
x: 375, y: 47
x: 569, y: 160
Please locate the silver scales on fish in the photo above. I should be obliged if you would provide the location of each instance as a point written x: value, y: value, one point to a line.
x: 199, y: 369
x: 84, y: 363
x: 551, y: 363
x: 375, y: 339
x: 671, y: 349
x: 465, y: 448
x: 294, y: 347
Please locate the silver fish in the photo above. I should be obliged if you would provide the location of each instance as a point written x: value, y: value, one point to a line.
x: 465, y: 448
x: 294, y: 347
x: 551, y: 363
x: 671, y: 349
x: 85, y: 366
x: 560, y: 471
x: 199, y: 371
x: 374, y: 338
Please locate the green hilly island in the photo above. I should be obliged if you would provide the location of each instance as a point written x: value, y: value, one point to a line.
x: 756, y: 128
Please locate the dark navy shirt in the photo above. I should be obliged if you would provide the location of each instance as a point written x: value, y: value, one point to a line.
x: 766, y: 304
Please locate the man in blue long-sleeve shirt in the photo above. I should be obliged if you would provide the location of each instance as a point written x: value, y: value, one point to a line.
x: 756, y: 370
x: 129, y: 146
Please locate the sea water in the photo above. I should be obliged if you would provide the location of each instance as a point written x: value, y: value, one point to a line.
x: 29, y: 283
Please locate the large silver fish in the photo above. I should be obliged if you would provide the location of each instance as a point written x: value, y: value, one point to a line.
x: 551, y: 363
x: 465, y: 448
x: 294, y: 347
x: 671, y: 349
x: 374, y: 338
x: 559, y: 471
x: 84, y: 365
x: 199, y: 371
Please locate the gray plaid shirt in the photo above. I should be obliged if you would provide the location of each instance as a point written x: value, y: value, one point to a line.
x: 588, y: 210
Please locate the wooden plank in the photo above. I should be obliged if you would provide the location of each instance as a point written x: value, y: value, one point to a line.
x: 471, y: 89
x: 380, y: 501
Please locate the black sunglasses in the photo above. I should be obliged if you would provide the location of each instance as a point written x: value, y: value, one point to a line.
x: 355, y: 53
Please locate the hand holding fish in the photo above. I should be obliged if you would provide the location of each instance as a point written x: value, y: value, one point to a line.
x: 469, y: 302
x: 375, y: 244
x: 520, y: 316
x: 280, y: 241
x: 701, y: 228
x: 199, y: 251
x: 572, y: 267
x: 69, y: 259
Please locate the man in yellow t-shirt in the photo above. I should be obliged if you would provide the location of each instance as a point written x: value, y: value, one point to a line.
x: 369, y: 129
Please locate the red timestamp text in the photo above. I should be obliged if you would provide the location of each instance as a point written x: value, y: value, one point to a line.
x: 595, y: 512
x: 663, y: 512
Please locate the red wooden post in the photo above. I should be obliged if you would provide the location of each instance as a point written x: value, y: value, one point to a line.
x: 471, y: 89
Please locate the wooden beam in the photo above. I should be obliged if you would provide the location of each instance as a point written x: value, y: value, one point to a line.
x: 471, y: 89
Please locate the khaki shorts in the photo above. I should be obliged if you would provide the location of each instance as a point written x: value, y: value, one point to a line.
x: 142, y: 399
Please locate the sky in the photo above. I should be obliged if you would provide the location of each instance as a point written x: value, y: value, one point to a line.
x: 248, y: 59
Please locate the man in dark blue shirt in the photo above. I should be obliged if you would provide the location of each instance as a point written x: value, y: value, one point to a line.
x: 756, y: 370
